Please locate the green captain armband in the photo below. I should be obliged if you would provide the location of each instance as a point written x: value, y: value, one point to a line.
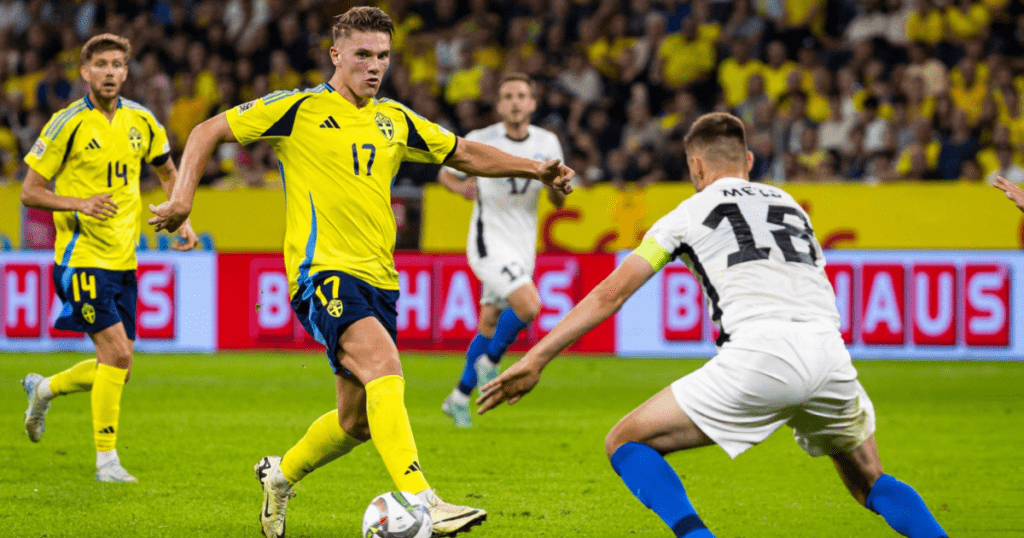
x: 654, y: 253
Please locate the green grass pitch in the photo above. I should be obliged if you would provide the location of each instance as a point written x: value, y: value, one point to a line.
x: 193, y: 426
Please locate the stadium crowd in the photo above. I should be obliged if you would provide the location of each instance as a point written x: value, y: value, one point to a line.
x: 831, y: 90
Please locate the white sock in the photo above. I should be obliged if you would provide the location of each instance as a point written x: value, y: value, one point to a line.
x: 43, y: 388
x: 103, y: 458
x: 458, y: 397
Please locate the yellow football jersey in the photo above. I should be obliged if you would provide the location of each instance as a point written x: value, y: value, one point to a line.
x: 338, y: 163
x: 86, y: 155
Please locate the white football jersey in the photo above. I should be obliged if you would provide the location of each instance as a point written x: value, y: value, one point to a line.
x: 505, y: 211
x: 753, y: 248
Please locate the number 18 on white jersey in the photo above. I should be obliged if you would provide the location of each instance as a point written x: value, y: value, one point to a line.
x: 753, y: 248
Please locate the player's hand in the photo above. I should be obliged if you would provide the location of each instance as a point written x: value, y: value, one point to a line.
x: 100, y: 206
x: 169, y: 215
x: 468, y: 189
x: 188, y: 237
x: 556, y: 175
x: 510, y: 386
x: 1012, y: 191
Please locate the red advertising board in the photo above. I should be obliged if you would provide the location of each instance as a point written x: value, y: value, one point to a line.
x: 437, y: 309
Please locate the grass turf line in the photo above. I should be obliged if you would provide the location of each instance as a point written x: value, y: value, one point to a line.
x: 193, y: 426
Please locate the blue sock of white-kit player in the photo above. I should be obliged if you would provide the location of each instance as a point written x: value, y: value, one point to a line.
x: 509, y: 326
x: 650, y: 478
x: 903, y: 509
x: 476, y: 348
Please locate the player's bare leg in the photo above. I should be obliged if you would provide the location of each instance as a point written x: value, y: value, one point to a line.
x: 486, y: 349
x: 114, y: 353
x: 636, y: 446
x: 901, y: 506
x: 370, y: 354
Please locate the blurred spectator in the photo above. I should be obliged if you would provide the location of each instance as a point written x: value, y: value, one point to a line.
x: 640, y: 129
x: 14, y: 17
x: 735, y: 71
x: 684, y: 57
x: 869, y: 23
x: 580, y: 79
x: 465, y: 81
x: 926, y: 147
x: 188, y: 110
x: 970, y: 171
x: 1007, y: 167
x: 777, y: 70
x: 834, y: 132
x: 925, y: 25
x: 874, y: 126
x: 958, y: 148
x: 743, y: 24
x: 930, y: 69
x: 755, y: 98
x: 53, y: 92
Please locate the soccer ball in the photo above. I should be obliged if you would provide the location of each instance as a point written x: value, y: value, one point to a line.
x: 397, y: 514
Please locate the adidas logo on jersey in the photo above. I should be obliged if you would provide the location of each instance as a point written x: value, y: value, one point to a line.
x: 329, y: 123
x: 108, y: 429
x: 93, y: 144
x: 414, y: 468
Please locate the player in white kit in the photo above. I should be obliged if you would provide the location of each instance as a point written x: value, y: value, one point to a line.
x: 502, y: 244
x: 781, y: 357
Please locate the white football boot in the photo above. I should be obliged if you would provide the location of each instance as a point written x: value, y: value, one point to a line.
x: 450, y: 519
x: 276, y: 492
x: 35, y: 415
x: 459, y: 412
x: 113, y: 472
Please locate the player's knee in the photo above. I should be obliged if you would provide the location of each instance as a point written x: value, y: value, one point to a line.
x: 529, y: 312
x: 617, y: 437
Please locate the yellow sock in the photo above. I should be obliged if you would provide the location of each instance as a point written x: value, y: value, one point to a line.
x: 106, y: 405
x: 324, y: 442
x: 392, y: 433
x: 78, y: 378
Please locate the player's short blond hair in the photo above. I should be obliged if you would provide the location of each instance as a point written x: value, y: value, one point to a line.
x: 719, y: 137
x: 362, y: 19
x: 512, y: 76
x: 103, y: 43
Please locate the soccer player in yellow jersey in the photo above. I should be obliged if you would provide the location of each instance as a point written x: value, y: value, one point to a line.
x: 339, y: 149
x: 93, y: 151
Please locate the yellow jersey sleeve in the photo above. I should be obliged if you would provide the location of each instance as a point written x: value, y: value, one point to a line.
x: 262, y: 118
x: 427, y: 141
x: 54, y: 143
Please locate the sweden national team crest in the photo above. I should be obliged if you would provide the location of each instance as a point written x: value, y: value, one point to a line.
x: 335, y: 308
x: 89, y: 313
x: 384, y: 124
x: 135, y: 138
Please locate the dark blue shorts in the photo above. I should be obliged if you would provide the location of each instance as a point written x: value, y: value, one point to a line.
x: 95, y: 299
x: 333, y: 300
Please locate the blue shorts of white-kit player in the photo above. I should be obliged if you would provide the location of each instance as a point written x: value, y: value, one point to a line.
x: 774, y: 373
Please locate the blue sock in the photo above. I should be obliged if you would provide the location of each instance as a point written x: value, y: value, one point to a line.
x: 505, y: 333
x: 903, y: 509
x: 656, y: 484
x: 476, y: 348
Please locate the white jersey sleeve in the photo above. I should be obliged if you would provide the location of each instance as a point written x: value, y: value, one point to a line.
x: 505, y: 213
x: 754, y: 251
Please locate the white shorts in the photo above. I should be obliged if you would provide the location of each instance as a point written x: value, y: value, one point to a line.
x: 798, y: 374
x: 499, y: 276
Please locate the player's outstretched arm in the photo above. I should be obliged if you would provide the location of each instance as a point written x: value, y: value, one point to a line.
x: 603, y: 301
x: 482, y: 160
x: 1013, y: 192
x: 168, y: 175
x: 465, y: 188
x: 171, y: 214
x: 35, y: 194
